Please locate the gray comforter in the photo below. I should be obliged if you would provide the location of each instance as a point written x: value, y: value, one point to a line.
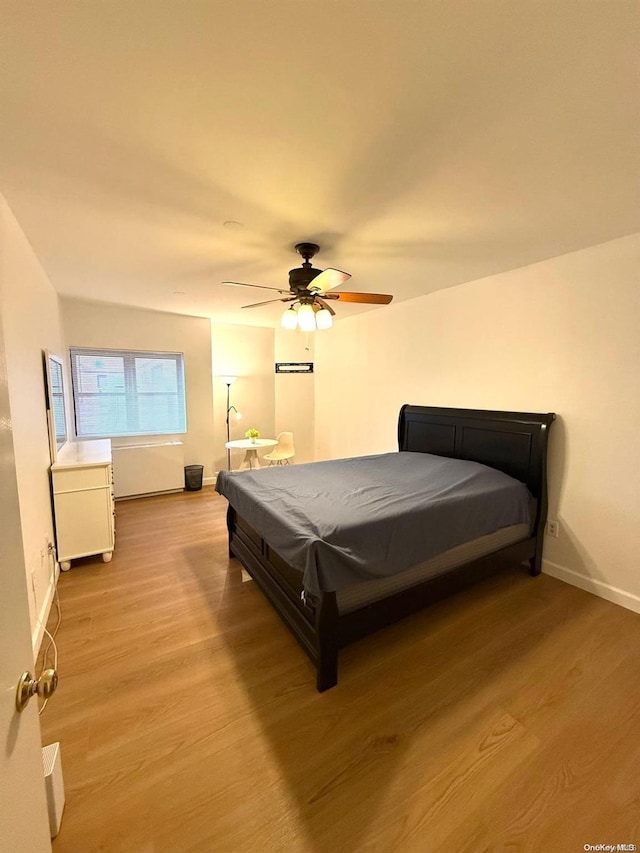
x: 350, y: 520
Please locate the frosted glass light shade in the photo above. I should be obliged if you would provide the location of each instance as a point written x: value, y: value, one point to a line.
x: 289, y: 319
x: 229, y: 380
x: 306, y: 318
x: 324, y: 320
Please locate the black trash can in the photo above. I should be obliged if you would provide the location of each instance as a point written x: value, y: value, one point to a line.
x: 193, y: 478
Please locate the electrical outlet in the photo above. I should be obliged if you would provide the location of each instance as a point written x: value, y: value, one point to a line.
x: 553, y: 528
x: 48, y: 557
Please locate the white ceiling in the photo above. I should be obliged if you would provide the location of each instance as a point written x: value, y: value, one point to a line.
x: 422, y: 143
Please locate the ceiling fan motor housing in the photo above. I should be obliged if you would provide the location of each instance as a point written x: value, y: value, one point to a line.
x: 301, y: 277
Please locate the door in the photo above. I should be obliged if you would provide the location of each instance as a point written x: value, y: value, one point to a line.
x: 24, y: 826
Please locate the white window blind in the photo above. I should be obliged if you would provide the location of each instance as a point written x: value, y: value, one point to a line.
x: 120, y: 392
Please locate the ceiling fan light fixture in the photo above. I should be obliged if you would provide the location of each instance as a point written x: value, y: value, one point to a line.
x: 289, y: 319
x: 324, y: 320
x: 306, y: 318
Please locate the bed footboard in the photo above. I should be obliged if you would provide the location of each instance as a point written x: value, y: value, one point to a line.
x: 315, y: 627
x: 320, y: 629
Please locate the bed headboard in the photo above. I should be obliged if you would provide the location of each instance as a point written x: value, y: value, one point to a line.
x: 513, y: 442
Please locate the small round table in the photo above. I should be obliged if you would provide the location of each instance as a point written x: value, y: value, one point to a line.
x: 251, y: 460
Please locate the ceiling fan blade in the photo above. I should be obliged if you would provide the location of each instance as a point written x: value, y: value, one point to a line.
x: 322, y: 304
x: 328, y: 279
x: 370, y: 298
x: 268, y: 301
x: 261, y: 286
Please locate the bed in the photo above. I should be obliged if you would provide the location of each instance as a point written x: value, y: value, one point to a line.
x: 345, y: 547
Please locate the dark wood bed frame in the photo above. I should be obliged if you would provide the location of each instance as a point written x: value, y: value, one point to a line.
x: 513, y: 442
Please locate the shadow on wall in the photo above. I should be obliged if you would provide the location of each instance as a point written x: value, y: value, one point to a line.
x: 556, y: 465
x: 251, y: 397
x: 567, y: 557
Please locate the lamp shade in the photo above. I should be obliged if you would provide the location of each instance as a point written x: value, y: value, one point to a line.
x: 306, y: 318
x: 289, y: 319
x: 324, y: 320
x: 229, y: 380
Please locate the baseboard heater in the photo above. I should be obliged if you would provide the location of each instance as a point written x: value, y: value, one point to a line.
x: 144, y: 469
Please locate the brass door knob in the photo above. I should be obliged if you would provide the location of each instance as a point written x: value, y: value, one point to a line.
x: 44, y: 686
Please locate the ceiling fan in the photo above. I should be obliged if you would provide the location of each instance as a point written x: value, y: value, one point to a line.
x: 309, y: 293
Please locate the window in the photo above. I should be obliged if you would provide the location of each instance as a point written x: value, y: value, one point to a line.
x: 116, y: 392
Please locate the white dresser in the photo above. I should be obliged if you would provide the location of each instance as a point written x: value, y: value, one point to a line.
x: 82, y: 482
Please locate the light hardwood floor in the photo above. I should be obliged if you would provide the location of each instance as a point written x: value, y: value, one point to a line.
x: 504, y: 719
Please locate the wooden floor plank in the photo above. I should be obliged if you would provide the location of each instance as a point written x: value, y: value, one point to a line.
x: 505, y: 718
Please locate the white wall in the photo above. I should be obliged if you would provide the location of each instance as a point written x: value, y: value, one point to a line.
x: 245, y: 352
x: 265, y: 401
x: 562, y: 335
x: 294, y: 393
x: 30, y: 315
x: 270, y: 402
x: 98, y: 324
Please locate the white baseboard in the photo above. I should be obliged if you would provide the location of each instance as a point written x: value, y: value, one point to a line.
x: 597, y: 587
x: 209, y: 481
x: 149, y: 495
x: 43, y: 615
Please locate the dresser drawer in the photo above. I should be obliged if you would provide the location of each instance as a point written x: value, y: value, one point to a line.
x: 75, y: 479
x: 84, y: 523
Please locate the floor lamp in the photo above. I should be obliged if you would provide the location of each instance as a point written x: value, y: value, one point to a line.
x: 228, y: 381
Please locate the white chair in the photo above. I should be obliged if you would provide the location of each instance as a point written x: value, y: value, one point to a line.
x: 283, y: 451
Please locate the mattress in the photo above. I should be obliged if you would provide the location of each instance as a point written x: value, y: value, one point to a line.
x: 358, y: 595
x: 362, y: 519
